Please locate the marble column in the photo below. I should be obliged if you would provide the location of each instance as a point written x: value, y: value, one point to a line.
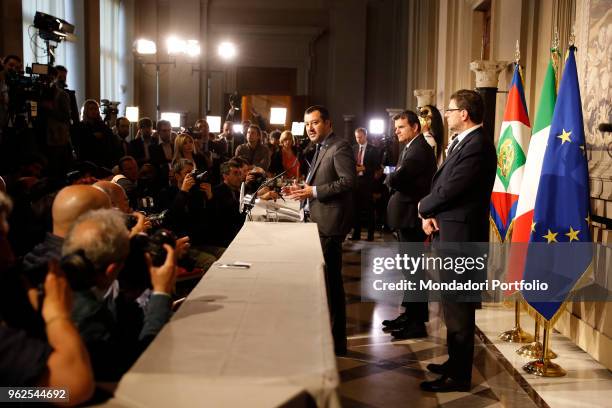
x: 487, y: 77
x: 425, y: 97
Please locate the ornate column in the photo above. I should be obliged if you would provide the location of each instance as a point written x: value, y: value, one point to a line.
x: 425, y: 97
x: 487, y: 77
x: 349, y: 128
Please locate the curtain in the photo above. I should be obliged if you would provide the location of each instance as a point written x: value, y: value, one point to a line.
x: 115, y: 52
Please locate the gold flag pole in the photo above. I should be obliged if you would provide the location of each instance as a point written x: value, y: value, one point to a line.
x: 517, y: 334
x: 535, y: 349
x: 543, y: 367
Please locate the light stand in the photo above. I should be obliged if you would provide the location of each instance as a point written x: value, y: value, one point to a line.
x: 157, y: 65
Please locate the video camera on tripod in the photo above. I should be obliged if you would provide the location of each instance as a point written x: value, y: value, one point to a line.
x: 26, y: 91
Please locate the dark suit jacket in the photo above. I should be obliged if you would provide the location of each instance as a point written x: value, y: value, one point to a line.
x: 156, y: 154
x: 409, y: 183
x: 226, y: 218
x: 334, y: 176
x: 461, y: 191
x: 372, y: 160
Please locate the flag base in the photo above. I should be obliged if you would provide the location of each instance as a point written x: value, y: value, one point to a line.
x: 516, y: 335
x: 535, y: 350
x: 544, y: 368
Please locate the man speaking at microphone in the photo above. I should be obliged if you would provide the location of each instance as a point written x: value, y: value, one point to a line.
x: 326, y: 197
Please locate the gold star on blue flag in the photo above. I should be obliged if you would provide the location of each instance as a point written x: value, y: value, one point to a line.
x: 562, y: 202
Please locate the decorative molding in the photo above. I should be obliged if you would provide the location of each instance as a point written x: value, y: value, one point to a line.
x: 425, y: 96
x: 487, y: 72
x: 394, y: 111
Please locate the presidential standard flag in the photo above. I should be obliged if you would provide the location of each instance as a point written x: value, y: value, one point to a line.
x: 561, y: 214
x: 511, y: 153
x: 521, y: 229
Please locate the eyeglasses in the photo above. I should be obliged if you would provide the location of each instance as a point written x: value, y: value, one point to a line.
x: 453, y: 109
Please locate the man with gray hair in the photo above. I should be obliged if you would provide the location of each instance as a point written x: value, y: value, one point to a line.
x: 94, y: 252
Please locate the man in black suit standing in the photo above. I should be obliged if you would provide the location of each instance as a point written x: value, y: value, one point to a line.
x: 326, y: 196
x: 457, y: 210
x: 409, y: 183
x: 368, y: 158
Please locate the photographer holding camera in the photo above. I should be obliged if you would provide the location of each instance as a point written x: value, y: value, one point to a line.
x: 188, y: 204
x: 94, y: 252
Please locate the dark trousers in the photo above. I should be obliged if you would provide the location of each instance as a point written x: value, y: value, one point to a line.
x: 417, y: 312
x: 332, y: 253
x: 460, y: 326
x: 364, y: 208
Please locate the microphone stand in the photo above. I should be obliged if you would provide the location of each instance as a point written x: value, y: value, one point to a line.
x: 249, y: 206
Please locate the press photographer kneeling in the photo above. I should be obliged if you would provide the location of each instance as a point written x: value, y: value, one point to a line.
x: 188, y: 204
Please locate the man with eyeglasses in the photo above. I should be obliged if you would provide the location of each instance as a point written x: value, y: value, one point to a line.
x: 457, y: 210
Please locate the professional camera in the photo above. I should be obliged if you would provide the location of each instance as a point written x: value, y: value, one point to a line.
x: 135, y: 275
x: 110, y: 110
x: 26, y: 92
x: 157, y: 220
x: 200, y: 176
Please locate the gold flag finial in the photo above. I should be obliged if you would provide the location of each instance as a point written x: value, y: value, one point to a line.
x: 572, y: 38
x: 555, y: 41
x: 517, y: 53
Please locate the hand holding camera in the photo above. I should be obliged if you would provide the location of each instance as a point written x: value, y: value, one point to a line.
x: 188, y: 182
x: 206, y: 188
x: 163, y: 277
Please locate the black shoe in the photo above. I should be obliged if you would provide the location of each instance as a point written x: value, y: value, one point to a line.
x: 397, y: 323
x: 445, y: 384
x: 410, y: 332
x: 437, y: 368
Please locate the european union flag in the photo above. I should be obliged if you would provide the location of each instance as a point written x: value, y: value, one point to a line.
x: 559, y: 250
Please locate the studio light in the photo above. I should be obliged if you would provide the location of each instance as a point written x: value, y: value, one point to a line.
x: 278, y: 116
x: 192, y: 48
x: 237, y: 128
x: 176, y: 45
x: 214, y: 123
x: 227, y: 50
x: 297, y: 128
x: 377, y: 127
x: 145, y: 47
x: 173, y: 117
x: 131, y: 113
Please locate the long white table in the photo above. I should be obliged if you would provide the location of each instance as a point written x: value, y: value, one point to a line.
x: 257, y: 337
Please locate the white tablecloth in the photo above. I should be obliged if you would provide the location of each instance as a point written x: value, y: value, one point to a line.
x: 253, y: 337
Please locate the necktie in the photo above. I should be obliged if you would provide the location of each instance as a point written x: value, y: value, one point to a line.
x: 314, y: 161
x: 452, y: 146
x: 401, y: 158
x: 360, y: 156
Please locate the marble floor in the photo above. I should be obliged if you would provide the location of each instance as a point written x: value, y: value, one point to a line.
x: 379, y: 372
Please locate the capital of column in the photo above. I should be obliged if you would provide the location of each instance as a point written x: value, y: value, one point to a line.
x: 424, y: 96
x: 487, y: 72
x: 394, y: 111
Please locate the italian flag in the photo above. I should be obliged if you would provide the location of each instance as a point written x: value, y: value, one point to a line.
x: 511, y: 157
x: 531, y: 175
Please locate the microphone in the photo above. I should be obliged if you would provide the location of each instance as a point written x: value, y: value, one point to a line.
x: 248, y: 207
x: 605, y: 127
